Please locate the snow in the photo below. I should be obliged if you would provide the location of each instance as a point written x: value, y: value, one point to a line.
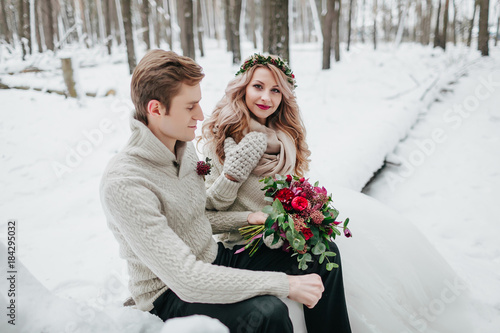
x: 424, y: 256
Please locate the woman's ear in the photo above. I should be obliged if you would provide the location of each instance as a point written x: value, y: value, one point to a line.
x: 154, y: 108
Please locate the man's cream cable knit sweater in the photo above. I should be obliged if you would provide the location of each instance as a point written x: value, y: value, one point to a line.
x: 156, y: 211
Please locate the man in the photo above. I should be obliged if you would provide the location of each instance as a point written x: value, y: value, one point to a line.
x: 154, y: 202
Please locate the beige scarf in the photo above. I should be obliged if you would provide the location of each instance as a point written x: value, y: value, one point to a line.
x: 280, y: 155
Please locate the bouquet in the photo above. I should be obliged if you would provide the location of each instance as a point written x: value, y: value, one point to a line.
x: 301, y: 219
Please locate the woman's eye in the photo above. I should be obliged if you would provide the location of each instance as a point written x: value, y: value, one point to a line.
x: 258, y: 86
x: 276, y: 91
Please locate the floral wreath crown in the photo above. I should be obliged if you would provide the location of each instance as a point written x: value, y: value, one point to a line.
x: 259, y: 59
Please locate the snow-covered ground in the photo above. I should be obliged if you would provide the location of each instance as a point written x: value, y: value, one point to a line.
x: 53, y: 152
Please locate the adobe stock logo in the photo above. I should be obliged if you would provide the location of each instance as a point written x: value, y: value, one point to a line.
x: 437, y: 306
x: 453, y: 118
x: 84, y: 147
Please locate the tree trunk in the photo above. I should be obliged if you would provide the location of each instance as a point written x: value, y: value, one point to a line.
x: 454, y: 25
x: 168, y: 19
x: 336, y: 31
x: 469, y: 38
x: 279, y: 37
x: 48, y: 24
x: 227, y: 21
x: 418, y: 23
x: 6, y: 32
x: 484, y: 36
x: 375, y: 24
x: 21, y: 26
x: 427, y: 23
x: 437, y: 37
x: 266, y: 25
x: 145, y: 23
x: 362, y: 32
x: 253, y: 27
x: 349, y: 25
x: 129, y: 38
x: 234, y: 19
x: 107, y: 28
x: 38, y: 26
x: 445, y: 25
x: 159, y: 23
x: 328, y: 19
x: 187, y: 32
x: 199, y: 26
x: 498, y: 30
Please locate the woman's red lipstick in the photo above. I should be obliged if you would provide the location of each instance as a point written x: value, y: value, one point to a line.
x: 263, y: 107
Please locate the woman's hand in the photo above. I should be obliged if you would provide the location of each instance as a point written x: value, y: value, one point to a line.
x: 243, y: 157
x: 257, y: 218
x: 306, y: 289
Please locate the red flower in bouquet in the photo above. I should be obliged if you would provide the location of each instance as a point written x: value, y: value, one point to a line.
x: 285, y: 196
x: 307, y: 233
x: 300, y: 203
x: 203, y: 167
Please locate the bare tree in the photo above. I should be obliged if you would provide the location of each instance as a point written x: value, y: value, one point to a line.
x: 469, y: 37
x: 375, y: 24
x: 484, y: 36
x: 129, y: 39
x: 48, y: 24
x: 329, y: 17
x: 498, y: 30
x: 266, y: 25
x: 445, y: 24
x: 145, y: 23
x: 234, y: 17
x: 253, y: 25
x: 454, y: 26
x: 336, y: 30
x: 278, y: 39
x: 437, y: 36
x: 38, y: 25
x: 185, y: 9
x: 199, y: 27
x: 107, y: 27
x: 5, y: 31
x: 349, y: 25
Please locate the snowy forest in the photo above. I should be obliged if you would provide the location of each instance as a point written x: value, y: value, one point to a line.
x: 400, y: 100
x: 31, y: 26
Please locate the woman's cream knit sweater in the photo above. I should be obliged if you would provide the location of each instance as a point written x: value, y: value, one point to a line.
x: 155, y: 206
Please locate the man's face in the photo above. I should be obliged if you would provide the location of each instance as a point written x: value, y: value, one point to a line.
x: 184, y: 114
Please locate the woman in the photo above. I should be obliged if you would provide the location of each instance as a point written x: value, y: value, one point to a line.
x: 255, y: 131
x: 397, y: 281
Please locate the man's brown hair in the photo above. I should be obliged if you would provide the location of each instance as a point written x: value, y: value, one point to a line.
x: 160, y: 75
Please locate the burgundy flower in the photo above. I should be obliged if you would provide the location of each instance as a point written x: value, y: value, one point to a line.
x: 329, y: 231
x: 300, y: 203
x: 347, y: 232
x: 285, y: 196
x: 307, y: 233
x: 302, y: 180
x: 203, y: 167
x: 289, y: 178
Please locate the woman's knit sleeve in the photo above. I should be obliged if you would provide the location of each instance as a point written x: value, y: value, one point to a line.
x: 221, y: 192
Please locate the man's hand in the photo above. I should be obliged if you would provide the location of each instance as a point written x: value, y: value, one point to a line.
x: 306, y: 289
x: 257, y: 218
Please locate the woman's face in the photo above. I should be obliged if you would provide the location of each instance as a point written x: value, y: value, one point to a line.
x: 262, y: 94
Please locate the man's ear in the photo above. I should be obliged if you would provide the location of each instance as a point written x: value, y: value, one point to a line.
x: 154, y: 108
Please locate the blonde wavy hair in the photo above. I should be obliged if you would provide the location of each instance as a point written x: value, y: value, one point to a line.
x: 231, y: 117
